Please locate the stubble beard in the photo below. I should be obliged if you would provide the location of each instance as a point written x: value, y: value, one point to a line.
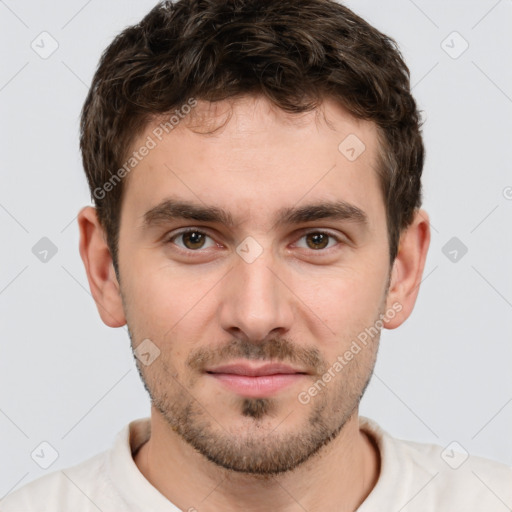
x: 260, y: 447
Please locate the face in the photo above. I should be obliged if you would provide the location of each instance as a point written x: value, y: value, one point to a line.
x: 252, y: 258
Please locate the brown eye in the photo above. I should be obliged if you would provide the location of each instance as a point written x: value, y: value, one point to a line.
x: 192, y: 240
x: 317, y: 240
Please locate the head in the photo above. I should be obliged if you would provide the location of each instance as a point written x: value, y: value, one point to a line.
x: 256, y: 173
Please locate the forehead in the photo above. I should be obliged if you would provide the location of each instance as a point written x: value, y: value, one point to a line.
x: 248, y: 156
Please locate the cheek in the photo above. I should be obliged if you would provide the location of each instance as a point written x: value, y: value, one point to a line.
x: 346, y: 300
x: 163, y: 300
x: 151, y: 300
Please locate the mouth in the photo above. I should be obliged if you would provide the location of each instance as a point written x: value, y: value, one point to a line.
x: 256, y: 381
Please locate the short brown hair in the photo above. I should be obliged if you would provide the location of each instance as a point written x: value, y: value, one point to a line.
x: 294, y: 53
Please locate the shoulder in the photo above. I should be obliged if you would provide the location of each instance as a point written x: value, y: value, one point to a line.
x: 459, y: 479
x: 429, y: 477
x: 108, y: 481
x: 55, y: 491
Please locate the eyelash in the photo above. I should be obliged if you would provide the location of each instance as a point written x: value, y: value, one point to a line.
x: 185, y: 231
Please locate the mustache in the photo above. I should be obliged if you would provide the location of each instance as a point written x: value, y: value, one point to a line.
x: 275, y: 349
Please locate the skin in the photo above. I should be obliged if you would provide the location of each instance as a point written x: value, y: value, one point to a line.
x: 211, y: 448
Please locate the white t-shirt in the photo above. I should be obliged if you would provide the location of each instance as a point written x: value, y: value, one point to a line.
x: 414, y: 477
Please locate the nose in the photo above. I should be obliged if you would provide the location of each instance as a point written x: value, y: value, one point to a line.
x: 256, y: 302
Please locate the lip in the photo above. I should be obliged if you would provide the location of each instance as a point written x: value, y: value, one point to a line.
x: 255, y: 370
x: 256, y: 381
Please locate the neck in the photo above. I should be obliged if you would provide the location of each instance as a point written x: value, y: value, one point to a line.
x: 339, y: 477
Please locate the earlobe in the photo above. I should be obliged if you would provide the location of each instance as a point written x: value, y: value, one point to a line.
x: 407, y: 269
x: 99, y: 268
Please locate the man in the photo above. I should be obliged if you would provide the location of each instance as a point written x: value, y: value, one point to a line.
x: 256, y: 171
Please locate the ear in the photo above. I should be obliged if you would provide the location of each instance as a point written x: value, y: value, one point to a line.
x: 408, y: 269
x: 100, y: 269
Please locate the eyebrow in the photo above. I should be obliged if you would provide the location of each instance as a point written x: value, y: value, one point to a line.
x: 334, y: 210
x: 171, y: 209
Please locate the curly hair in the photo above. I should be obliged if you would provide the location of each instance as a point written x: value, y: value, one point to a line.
x: 293, y: 53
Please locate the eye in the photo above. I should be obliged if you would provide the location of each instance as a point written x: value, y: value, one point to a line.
x: 318, y: 240
x: 192, y: 240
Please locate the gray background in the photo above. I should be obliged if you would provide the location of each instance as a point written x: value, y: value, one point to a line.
x: 69, y: 380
